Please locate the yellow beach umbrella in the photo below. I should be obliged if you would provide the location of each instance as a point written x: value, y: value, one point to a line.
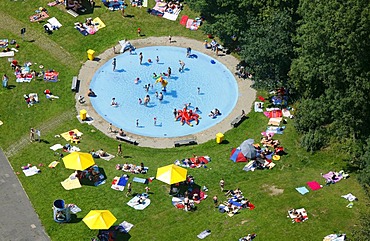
x: 171, y: 174
x: 78, y: 161
x: 99, y: 219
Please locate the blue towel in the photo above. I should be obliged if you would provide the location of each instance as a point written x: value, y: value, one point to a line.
x: 302, y: 190
x: 122, y: 181
x: 140, y: 180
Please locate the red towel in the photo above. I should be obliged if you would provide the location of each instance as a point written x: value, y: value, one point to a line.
x: 314, y: 185
x: 261, y: 98
x: 183, y: 20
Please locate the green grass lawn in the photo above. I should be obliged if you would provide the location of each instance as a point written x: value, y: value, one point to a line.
x: 65, y: 51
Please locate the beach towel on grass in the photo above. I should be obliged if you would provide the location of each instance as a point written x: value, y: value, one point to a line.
x: 31, y: 171
x: 7, y: 54
x: 204, y: 234
x: 314, y: 185
x: 56, y: 147
x: 184, y: 20
x: 189, y: 23
x: 134, y: 203
x: 257, y: 108
x: 302, y: 190
x: 274, y: 129
x: 125, y: 227
x: 140, y: 180
x: 119, y: 183
x: 274, y: 121
x: 329, y: 177
x: 107, y: 156
x: 53, y: 164
x: 68, y: 135
x: 71, y: 182
x: 55, y: 24
x: 98, y: 23
x: 350, y: 197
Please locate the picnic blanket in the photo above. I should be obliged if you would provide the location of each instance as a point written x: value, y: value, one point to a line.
x: 39, y: 16
x: 68, y: 135
x: 20, y: 78
x: 258, y: 106
x: 314, y: 185
x: 134, y: 202
x: 71, y: 182
x: 191, y: 162
x: 119, y: 183
x: 51, y: 76
x: 302, y: 190
x: 31, y: 171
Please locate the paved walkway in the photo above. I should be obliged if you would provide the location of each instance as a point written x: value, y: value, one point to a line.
x: 246, y: 98
x: 19, y: 221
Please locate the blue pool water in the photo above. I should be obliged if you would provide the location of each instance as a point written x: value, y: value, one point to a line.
x: 218, y: 89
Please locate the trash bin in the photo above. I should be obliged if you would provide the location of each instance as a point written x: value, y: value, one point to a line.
x: 219, y: 137
x: 83, y: 114
x: 90, y: 54
x: 61, y: 213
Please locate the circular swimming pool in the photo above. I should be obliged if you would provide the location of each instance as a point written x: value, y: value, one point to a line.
x: 204, y: 83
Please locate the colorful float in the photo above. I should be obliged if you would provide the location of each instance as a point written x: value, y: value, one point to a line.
x: 163, y: 82
x: 187, y: 116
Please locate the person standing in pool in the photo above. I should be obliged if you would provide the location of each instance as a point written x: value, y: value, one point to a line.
x: 137, y: 122
x: 114, y: 64
x: 160, y: 96
x: 188, y: 52
x: 175, y: 113
x: 182, y: 65
x: 157, y: 59
x: 141, y: 57
x: 169, y: 72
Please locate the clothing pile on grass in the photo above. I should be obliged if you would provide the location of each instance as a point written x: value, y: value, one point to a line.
x: 169, y: 10
x: 186, y: 194
x: 90, y: 26
x: 236, y: 202
x: 331, y: 177
x: 194, y: 162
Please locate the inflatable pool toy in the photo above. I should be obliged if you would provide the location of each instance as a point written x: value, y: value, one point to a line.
x: 187, y: 117
x: 163, y: 82
x: 213, y: 62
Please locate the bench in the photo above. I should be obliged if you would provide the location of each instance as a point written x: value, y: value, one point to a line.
x: 238, y: 120
x: 74, y: 86
x: 185, y: 142
x: 127, y: 139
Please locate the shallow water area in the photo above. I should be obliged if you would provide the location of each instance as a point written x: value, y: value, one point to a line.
x: 217, y: 89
